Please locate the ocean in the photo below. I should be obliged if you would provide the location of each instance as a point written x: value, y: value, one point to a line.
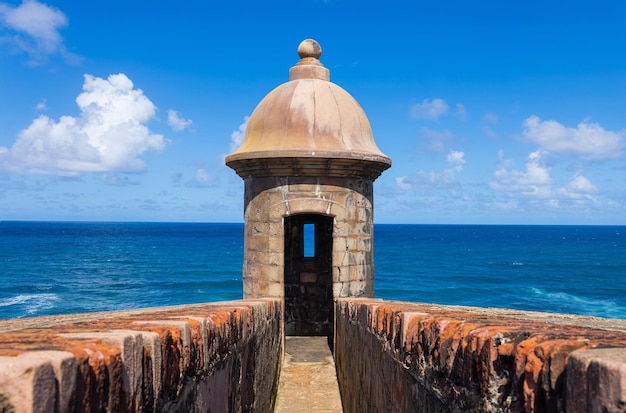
x: 49, y: 268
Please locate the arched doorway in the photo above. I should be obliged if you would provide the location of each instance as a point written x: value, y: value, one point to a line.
x: 308, y: 280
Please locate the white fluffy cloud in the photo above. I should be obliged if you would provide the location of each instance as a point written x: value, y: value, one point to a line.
x: 177, y: 122
x: 36, y: 29
x: 426, y: 180
x: 109, y: 135
x: 537, y: 183
x: 578, y: 188
x: 202, y: 177
x: 535, y: 180
x: 236, y: 138
x: 456, y: 159
x: 429, y: 109
x: 588, y: 141
x: 42, y: 105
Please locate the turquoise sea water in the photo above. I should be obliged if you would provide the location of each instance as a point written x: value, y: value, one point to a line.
x: 51, y: 268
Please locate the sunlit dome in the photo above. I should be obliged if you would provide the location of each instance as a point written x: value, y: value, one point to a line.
x: 309, y: 117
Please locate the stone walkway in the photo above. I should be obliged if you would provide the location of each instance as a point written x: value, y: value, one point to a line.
x: 308, y: 381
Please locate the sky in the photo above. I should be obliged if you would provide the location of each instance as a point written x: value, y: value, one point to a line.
x: 492, y: 112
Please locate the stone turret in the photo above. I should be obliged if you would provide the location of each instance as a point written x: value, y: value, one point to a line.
x: 308, y: 160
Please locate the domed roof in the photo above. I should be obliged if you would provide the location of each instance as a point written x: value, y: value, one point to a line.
x: 309, y: 117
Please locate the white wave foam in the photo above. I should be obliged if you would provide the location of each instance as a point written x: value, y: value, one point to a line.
x: 587, y: 306
x: 32, y: 302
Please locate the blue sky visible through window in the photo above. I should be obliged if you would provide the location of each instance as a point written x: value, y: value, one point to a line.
x: 309, y: 240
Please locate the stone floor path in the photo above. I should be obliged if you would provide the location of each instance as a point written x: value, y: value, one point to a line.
x: 308, y: 381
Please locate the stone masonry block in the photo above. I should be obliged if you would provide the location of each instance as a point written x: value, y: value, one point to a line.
x: 130, y: 344
x: 184, y: 331
x: 278, y: 195
x: 203, y: 353
x: 268, y: 259
x: 341, y: 196
x: 355, y: 243
x: 256, y: 192
x: 64, y: 364
x: 364, y: 202
x: 279, y: 209
x: 264, y: 229
x: 341, y: 273
x: 255, y: 285
x: 410, y: 327
x: 469, y: 359
x: 365, y: 244
x: 256, y: 243
x: 363, y: 273
x: 255, y: 228
x: 350, y: 204
x: 273, y: 273
x: 341, y: 289
x: 364, y: 214
x: 152, y: 343
x: 36, y: 381
x: 248, y: 289
x: 260, y: 274
x: 368, y: 290
x: 276, y: 229
x: 341, y: 228
x: 255, y: 214
x: 276, y: 289
x: 337, y: 209
x: 307, y: 205
x: 296, y: 190
x: 347, y: 273
x: 276, y: 243
x: 596, y: 381
x: 251, y: 271
x: 137, y: 360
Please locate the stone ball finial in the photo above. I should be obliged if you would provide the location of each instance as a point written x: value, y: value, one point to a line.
x: 309, y: 48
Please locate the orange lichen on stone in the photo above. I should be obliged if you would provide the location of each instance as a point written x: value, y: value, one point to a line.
x: 466, y: 359
x: 532, y: 373
x: 142, y: 360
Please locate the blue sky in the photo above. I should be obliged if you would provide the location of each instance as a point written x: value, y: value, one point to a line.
x: 492, y: 112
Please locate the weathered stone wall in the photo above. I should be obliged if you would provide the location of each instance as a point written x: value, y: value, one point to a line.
x: 218, y: 357
x: 348, y: 201
x: 269, y: 200
x: 405, y: 357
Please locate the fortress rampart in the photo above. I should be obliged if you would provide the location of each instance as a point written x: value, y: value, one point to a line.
x: 409, y: 357
x: 390, y: 357
x: 219, y: 357
x: 309, y: 161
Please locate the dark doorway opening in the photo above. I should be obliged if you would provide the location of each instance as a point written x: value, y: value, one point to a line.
x: 309, y: 307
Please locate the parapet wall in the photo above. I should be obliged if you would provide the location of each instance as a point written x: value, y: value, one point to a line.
x: 215, y: 357
x: 404, y: 357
